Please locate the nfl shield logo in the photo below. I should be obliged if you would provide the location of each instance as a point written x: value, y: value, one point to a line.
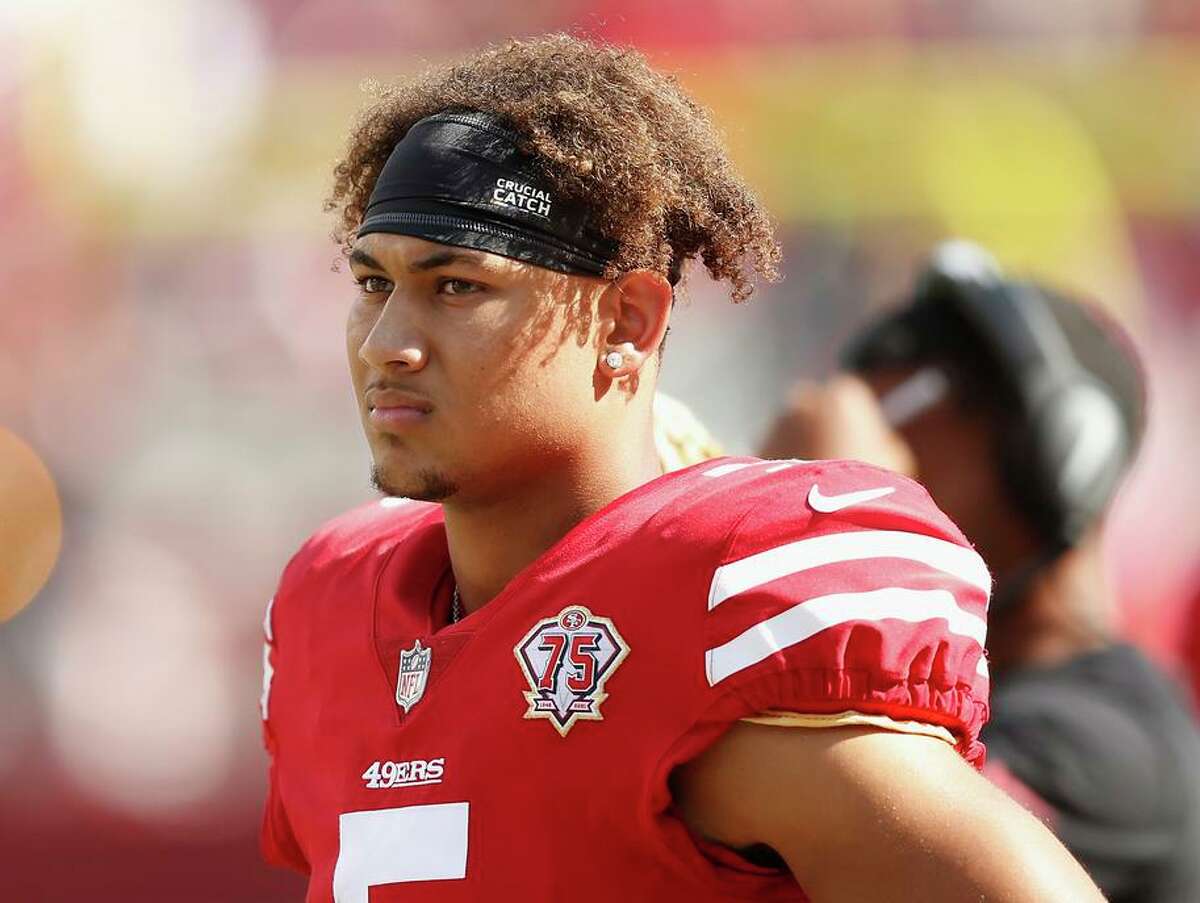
x: 414, y: 672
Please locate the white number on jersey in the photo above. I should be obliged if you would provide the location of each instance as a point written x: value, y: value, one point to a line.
x: 390, y: 846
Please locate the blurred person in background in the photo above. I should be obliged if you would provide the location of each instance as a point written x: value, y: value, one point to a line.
x: 650, y: 685
x: 1020, y: 410
x: 1191, y: 642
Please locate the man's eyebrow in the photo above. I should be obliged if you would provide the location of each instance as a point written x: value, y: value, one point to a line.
x: 442, y: 258
x: 432, y: 262
x: 362, y: 258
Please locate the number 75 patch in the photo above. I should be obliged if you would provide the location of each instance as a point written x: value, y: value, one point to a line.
x: 567, y: 660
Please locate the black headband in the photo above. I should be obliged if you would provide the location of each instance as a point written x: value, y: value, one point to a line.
x: 459, y: 178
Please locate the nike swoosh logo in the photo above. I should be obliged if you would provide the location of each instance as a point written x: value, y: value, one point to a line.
x: 827, y: 504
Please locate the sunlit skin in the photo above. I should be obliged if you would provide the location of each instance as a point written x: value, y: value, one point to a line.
x: 482, y: 384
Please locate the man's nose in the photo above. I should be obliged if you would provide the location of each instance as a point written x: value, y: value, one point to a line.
x: 395, y: 341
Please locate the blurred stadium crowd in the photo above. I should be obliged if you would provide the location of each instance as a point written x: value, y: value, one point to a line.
x: 171, y: 329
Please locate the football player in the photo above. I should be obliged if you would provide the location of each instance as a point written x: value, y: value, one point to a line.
x: 540, y: 669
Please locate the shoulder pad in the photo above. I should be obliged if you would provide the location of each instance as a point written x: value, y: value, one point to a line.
x: 368, y: 527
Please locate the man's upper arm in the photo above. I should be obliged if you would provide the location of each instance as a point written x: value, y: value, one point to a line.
x: 861, y: 814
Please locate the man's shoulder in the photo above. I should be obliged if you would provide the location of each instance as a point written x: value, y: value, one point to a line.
x: 837, y: 587
x: 769, y: 500
x: 368, y: 532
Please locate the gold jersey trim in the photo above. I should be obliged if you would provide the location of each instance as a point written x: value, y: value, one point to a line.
x: 776, y: 718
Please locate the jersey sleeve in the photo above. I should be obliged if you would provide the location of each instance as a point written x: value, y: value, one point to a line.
x: 276, y: 839
x: 844, y: 596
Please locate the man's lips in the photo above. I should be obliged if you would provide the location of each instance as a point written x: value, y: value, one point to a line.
x: 394, y: 408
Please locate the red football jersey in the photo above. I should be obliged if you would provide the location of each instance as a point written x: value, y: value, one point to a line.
x: 524, y: 752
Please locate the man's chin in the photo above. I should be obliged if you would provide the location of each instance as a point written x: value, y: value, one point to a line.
x: 422, y: 486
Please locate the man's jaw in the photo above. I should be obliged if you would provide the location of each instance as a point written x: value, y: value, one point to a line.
x: 425, y: 485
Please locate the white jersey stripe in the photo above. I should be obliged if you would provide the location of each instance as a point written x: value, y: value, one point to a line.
x: 785, y: 464
x: 807, y: 619
x: 268, y: 675
x: 739, y: 576
x: 268, y: 629
x: 723, y: 469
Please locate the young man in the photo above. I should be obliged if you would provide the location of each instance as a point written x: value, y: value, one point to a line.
x: 1021, y: 410
x: 574, y: 677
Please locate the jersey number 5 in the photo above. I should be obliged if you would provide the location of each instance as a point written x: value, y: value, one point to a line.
x: 389, y: 846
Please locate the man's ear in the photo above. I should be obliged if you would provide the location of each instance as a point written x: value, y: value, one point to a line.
x: 635, y: 310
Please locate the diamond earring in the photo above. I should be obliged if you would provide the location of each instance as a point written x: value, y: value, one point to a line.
x: 614, y: 360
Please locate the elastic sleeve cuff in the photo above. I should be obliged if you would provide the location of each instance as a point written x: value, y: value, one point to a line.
x: 779, y: 718
x: 832, y: 693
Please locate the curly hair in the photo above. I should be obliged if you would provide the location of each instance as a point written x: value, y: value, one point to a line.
x: 603, y: 126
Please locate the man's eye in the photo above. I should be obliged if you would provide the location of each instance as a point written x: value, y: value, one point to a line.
x: 372, y: 285
x: 457, y: 287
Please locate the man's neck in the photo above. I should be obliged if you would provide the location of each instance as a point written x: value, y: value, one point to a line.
x: 1067, y: 611
x: 491, y: 543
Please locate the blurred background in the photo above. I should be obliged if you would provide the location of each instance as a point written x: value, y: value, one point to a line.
x: 171, y: 326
